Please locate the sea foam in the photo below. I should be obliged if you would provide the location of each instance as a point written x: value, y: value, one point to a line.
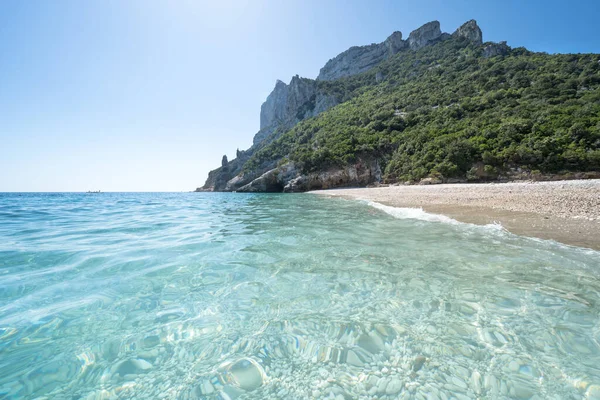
x: 421, y: 215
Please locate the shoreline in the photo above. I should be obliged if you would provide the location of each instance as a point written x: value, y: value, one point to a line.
x: 564, y: 211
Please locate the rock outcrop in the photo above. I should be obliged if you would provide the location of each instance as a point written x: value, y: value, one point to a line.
x: 361, y: 173
x: 496, y: 49
x: 274, y: 107
x: 288, y: 178
x: 289, y: 104
x: 274, y: 180
x: 217, y: 179
x: 359, y: 59
x: 425, y: 35
x: 471, y: 31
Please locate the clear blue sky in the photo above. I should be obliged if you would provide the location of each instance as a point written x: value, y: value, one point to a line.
x: 147, y: 95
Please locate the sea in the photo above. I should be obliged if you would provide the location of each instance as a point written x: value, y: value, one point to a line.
x: 285, y: 296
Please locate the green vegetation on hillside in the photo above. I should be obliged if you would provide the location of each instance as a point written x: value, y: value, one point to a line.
x: 447, y: 111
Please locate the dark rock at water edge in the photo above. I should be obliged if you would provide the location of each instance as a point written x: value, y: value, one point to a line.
x: 289, y: 179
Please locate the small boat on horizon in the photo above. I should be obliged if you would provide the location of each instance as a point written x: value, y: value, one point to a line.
x: 94, y: 191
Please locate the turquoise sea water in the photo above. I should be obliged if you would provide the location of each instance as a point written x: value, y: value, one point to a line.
x: 240, y: 296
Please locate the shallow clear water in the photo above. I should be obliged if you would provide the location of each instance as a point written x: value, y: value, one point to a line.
x: 285, y: 296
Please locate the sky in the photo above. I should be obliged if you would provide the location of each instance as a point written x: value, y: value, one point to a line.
x: 148, y: 95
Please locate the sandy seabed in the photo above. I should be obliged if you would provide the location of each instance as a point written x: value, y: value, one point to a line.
x: 565, y: 211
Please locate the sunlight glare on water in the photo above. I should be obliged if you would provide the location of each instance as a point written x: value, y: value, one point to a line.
x: 241, y: 296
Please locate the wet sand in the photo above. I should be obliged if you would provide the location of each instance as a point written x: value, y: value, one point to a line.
x: 565, y: 211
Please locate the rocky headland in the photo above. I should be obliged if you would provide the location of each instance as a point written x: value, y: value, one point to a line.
x: 366, y: 118
x: 303, y: 98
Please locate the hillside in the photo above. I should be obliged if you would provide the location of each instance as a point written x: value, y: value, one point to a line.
x: 433, y: 108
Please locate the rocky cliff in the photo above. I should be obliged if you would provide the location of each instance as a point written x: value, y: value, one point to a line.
x: 358, y: 59
x: 289, y: 104
x: 285, y: 106
x: 303, y: 98
x: 471, y: 31
x: 289, y: 178
x: 425, y: 35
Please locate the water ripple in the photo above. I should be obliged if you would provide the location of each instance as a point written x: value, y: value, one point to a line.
x: 231, y: 296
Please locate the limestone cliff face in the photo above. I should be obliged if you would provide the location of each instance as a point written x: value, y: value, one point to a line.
x: 425, y: 35
x: 471, y: 31
x: 289, y: 104
x: 285, y: 106
x: 359, y: 59
x: 274, y: 107
x: 217, y: 179
x: 289, y: 179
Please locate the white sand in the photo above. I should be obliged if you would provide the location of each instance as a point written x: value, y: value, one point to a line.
x: 566, y: 211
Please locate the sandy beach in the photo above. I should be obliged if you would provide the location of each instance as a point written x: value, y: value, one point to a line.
x: 565, y: 211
